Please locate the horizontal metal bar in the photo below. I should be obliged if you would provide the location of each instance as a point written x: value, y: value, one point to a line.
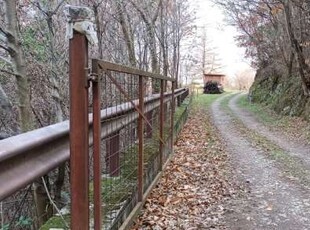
x: 126, y: 69
x: 24, y: 142
x: 25, y: 157
x: 125, y: 107
x: 22, y: 169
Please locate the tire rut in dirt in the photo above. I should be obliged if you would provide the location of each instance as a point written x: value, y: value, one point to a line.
x: 272, y: 202
x: 292, y: 147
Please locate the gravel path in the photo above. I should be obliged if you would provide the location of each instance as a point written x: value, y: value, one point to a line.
x: 272, y: 201
x: 293, y: 147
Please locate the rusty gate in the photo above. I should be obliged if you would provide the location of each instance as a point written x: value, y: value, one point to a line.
x: 124, y: 89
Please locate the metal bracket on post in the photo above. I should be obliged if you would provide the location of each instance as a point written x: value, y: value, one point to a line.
x: 91, y: 77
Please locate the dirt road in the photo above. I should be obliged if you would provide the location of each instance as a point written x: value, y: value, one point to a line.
x: 273, y: 167
x: 230, y: 171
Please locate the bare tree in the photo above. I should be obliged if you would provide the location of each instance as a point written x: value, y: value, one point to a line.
x: 14, y: 49
x: 244, y: 79
x: 303, y: 67
x: 124, y: 21
x: 275, y: 33
x: 150, y: 19
x: 49, y: 10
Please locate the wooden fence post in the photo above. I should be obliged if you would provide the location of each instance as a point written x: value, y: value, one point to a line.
x: 172, y: 115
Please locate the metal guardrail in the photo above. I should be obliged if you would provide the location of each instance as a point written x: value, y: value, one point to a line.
x: 105, y: 65
x: 28, y: 156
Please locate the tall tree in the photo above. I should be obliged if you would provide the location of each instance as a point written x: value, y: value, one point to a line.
x: 150, y: 19
x: 303, y: 67
x: 274, y: 33
x: 49, y: 10
x: 15, y: 51
x: 123, y: 19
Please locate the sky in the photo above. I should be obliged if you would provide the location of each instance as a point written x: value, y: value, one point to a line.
x: 221, y: 37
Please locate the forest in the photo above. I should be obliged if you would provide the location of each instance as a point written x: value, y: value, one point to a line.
x: 275, y: 34
x: 160, y: 37
x: 34, y: 51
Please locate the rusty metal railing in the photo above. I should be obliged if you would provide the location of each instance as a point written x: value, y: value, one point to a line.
x: 25, y: 157
x: 123, y: 125
x: 120, y: 77
x: 28, y: 156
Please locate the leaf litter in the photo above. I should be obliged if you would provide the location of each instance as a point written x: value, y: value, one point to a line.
x: 195, y: 184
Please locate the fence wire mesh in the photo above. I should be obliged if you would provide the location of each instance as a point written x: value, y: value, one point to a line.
x: 119, y: 148
x: 119, y: 157
x: 120, y: 154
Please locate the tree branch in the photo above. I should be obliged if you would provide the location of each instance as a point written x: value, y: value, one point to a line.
x: 3, y: 31
x: 8, y: 72
x: 6, y: 60
x: 58, y: 6
x: 157, y: 12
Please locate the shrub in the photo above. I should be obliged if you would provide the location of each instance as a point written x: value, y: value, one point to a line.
x: 213, y: 87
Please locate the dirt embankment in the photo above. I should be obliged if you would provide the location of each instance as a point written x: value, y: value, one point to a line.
x: 283, y: 94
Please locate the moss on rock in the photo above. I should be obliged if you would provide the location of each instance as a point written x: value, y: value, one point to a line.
x: 280, y: 93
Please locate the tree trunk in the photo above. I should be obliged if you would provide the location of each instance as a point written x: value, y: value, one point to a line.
x: 5, y: 104
x: 304, y: 69
x: 15, y: 51
x: 150, y: 28
x: 54, y: 77
x: 54, y: 73
x: 23, y: 93
x: 99, y: 32
x: 127, y: 36
x: 163, y: 42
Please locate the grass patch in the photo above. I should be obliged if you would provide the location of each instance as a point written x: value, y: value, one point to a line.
x: 225, y: 101
x: 205, y: 100
x: 114, y: 191
x: 263, y: 113
x: 291, y: 166
x: 179, y: 110
x: 56, y: 222
x: 290, y: 125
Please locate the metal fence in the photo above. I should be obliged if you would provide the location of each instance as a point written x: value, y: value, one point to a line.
x: 17, y: 209
x: 121, y: 135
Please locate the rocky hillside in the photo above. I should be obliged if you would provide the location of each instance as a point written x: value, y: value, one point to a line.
x: 283, y: 94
